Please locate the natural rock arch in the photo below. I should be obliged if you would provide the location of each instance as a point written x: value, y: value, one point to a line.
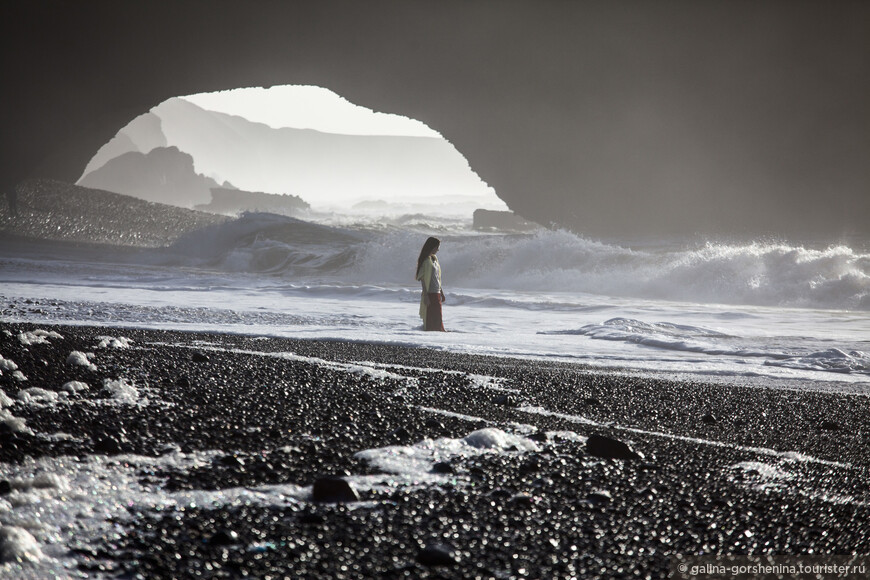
x: 601, y: 116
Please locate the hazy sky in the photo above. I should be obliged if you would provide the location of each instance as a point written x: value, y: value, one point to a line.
x: 308, y: 107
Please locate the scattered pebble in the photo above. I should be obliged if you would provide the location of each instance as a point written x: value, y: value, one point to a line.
x: 224, y: 538
x: 437, y: 555
x: 599, y: 497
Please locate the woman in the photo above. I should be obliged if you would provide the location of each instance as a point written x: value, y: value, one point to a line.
x: 429, y: 275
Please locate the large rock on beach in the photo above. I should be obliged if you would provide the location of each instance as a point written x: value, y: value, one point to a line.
x: 609, y: 448
x: 333, y: 490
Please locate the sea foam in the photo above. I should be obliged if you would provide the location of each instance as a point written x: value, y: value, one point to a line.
x: 81, y: 359
x: 419, y: 458
x: 38, y: 336
x: 18, y: 545
x: 121, y: 390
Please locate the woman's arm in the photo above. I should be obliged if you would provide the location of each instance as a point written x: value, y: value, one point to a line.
x: 425, y: 275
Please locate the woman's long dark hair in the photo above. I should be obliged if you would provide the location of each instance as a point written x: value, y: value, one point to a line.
x: 430, y: 245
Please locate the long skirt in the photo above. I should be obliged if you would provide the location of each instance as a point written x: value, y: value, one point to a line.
x: 433, y: 313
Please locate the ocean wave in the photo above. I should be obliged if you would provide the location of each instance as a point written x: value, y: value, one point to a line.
x: 753, y: 273
x: 667, y: 336
x: 545, y: 262
x: 685, y: 338
x: 265, y: 243
x: 831, y: 360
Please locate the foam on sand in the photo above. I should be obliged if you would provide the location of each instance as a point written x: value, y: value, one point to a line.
x: 7, y: 364
x: 17, y: 545
x: 122, y: 391
x: 63, y: 502
x: 12, y: 423
x: 418, y: 459
x: 113, y: 342
x: 38, y: 395
x: 74, y: 387
x: 37, y: 336
x: 81, y: 359
x: 10, y: 366
x: 77, y: 508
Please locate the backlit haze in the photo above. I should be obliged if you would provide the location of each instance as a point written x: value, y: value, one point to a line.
x: 307, y: 107
x: 343, y: 159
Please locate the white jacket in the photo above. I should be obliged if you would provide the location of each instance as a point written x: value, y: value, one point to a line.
x: 429, y: 276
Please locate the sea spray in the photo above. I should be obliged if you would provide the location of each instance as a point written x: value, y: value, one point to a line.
x: 753, y: 273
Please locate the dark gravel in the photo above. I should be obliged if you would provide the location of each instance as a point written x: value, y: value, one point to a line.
x: 561, y: 512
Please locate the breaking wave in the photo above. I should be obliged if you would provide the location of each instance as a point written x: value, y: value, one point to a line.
x: 753, y: 273
x: 264, y: 243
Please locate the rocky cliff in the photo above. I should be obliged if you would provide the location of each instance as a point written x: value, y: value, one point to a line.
x: 234, y: 201
x: 164, y: 174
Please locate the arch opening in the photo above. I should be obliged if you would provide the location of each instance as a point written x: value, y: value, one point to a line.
x: 293, y: 142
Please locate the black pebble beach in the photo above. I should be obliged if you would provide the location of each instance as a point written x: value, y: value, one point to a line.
x: 655, y: 481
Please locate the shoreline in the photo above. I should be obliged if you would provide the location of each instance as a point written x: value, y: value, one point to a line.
x: 722, y: 469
